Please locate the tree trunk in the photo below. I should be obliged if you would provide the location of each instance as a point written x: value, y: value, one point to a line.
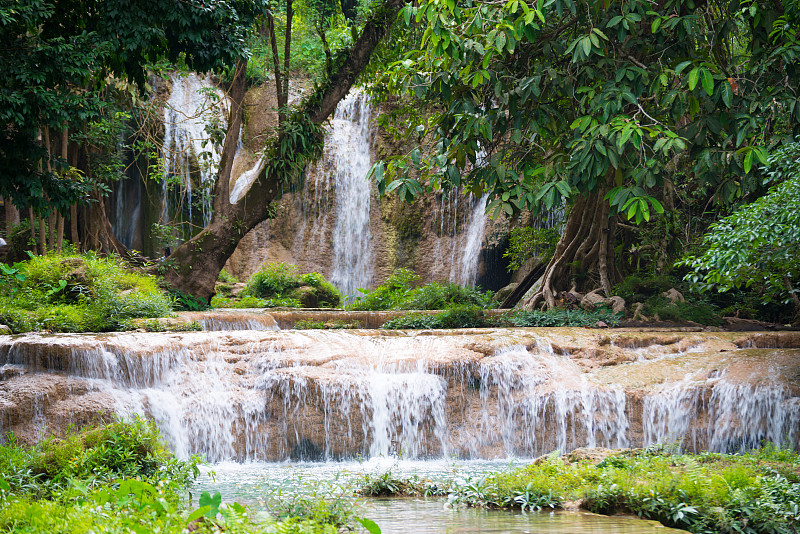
x: 12, y: 214
x: 586, y: 247
x: 197, y: 263
x: 32, y: 221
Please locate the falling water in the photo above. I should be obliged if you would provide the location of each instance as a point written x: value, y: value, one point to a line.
x: 189, y: 153
x: 272, y: 395
x: 347, y: 147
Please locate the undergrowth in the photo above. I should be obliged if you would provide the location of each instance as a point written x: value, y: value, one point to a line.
x: 282, y: 283
x: 754, y: 492
x: 119, y: 478
x: 77, y: 293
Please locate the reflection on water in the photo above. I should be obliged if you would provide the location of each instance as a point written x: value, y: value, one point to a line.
x: 251, y: 483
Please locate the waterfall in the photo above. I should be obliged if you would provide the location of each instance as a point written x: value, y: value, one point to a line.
x: 274, y: 395
x: 191, y: 159
x: 340, y: 180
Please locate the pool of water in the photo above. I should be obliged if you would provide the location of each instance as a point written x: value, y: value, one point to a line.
x: 253, y: 484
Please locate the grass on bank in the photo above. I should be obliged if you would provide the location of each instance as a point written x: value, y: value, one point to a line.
x: 120, y: 478
x: 77, y: 293
x: 755, y: 492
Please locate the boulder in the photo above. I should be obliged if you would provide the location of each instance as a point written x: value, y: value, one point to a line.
x: 504, y: 292
x: 637, y: 312
x: 5, y: 330
x: 594, y: 299
x: 673, y: 295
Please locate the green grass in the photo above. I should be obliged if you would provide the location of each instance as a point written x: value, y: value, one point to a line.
x: 77, y: 293
x: 556, y: 317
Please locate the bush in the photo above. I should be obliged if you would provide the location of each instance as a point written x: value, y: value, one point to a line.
x: 457, y: 317
x: 283, y: 285
x: 77, y: 293
x: 563, y: 317
x: 398, y: 293
x: 388, y: 294
x: 436, y: 296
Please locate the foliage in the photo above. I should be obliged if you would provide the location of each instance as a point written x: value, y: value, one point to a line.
x: 545, y: 101
x: 398, y: 293
x: 648, y: 290
x: 120, y: 478
x: 757, y: 245
x: 563, y: 317
x: 60, y: 57
x: 387, y: 295
x: 281, y: 281
x: 77, y: 293
x: 438, y: 296
x: 526, y: 243
x: 454, y: 317
x: 254, y: 302
x: 705, y: 493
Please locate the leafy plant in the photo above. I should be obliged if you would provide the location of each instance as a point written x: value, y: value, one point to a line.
x: 526, y: 243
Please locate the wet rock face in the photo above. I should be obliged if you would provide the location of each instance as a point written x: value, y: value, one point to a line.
x: 274, y: 395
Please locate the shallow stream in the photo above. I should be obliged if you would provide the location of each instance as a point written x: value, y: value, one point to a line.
x: 253, y: 484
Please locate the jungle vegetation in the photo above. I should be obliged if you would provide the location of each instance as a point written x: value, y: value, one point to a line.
x: 646, y: 122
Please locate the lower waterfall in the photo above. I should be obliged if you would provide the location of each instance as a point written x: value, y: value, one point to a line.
x: 274, y: 395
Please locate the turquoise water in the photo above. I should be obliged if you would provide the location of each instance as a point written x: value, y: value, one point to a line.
x: 255, y: 484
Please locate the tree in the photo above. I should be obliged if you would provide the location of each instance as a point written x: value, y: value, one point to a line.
x: 58, y: 59
x: 757, y: 245
x: 193, y: 267
x: 595, y: 104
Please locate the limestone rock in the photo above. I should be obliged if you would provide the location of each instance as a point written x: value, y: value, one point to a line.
x: 594, y: 299
x: 504, y: 292
x: 637, y: 312
x: 617, y: 304
x: 674, y: 296
x: 237, y: 288
x: 5, y: 330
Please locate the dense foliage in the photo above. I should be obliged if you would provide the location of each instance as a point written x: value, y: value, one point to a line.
x: 59, y: 56
x: 758, y: 244
x: 282, y: 281
x: 120, y: 478
x: 77, y: 293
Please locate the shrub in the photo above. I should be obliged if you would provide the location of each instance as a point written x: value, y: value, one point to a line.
x: 283, y: 285
x: 526, y: 243
x: 273, y: 280
x: 389, y: 294
x: 563, y: 317
x: 456, y: 317
x: 436, y: 296
x: 74, y: 293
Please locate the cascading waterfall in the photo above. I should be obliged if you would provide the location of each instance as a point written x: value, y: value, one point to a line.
x: 189, y: 154
x: 342, y: 176
x: 273, y: 395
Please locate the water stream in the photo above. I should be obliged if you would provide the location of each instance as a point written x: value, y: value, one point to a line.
x: 292, y: 404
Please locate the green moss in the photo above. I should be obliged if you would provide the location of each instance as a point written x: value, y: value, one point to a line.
x: 279, y: 281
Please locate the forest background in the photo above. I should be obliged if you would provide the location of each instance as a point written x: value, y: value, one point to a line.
x: 667, y: 130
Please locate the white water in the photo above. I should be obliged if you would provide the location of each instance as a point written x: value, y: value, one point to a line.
x: 343, y: 174
x: 188, y: 151
x: 254, y: 395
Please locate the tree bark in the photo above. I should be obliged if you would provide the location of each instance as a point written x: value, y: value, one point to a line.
x: 586, y: 246
x: 32, y: 221
x: 196, y: 264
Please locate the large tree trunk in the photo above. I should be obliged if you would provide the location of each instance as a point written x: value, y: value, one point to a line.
x: 197, y: 263
x: 586, y: 248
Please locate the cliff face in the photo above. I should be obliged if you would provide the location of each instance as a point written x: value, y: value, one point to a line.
x: 336, y: 223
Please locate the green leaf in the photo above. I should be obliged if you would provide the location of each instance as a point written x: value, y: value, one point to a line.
x: 708, y: 81
x: 371, y: 526
x: 682, y: 66
x: 197, y: 514
x: 726, y: 91
x: 748, y: 161
x: 692, y: 79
